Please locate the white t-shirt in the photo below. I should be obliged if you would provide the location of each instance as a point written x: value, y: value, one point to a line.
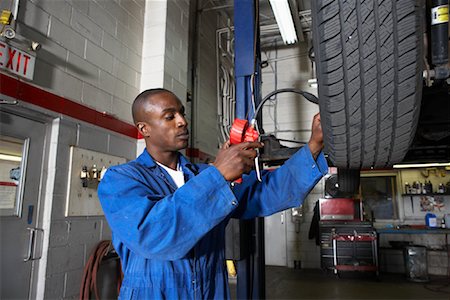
x: 177, y: 175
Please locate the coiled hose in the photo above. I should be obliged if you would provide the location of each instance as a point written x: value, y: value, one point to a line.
x: 89, y: 279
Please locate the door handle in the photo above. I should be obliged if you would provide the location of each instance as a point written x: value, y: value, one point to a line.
x: 31, y: 243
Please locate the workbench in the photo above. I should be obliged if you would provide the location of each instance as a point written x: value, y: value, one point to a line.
x: 434, y: 239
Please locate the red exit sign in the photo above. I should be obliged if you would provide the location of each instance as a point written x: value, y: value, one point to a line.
x: 16, y: 61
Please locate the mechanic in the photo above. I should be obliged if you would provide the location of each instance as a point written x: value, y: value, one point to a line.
x: 168, y: 215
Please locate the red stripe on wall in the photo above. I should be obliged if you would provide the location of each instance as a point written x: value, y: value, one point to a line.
x: 23, y: 91
x: 7, y: 183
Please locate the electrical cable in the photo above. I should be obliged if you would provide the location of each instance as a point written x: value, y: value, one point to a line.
x: 308, y: 96
x: 89, y: 279
x: 286, y: 140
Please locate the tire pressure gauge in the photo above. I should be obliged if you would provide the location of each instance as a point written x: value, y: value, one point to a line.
x: 241, y: 131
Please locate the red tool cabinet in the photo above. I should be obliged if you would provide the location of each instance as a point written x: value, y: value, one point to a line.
x: 355, y: 251
x: 347, y: 243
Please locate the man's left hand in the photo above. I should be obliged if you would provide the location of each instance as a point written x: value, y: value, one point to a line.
x: 315, y: 143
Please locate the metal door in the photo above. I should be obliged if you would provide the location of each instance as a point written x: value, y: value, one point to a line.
x: 275, y: 239
x: 21, y: 143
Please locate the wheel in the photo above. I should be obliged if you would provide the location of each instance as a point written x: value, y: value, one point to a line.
x: 368, y: 58
x: 344, y: 184
x: 332, y: 186
x: 348, y: 181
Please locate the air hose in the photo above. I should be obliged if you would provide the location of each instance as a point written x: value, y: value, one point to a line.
x: 308, y: 96
x: 89, y: 279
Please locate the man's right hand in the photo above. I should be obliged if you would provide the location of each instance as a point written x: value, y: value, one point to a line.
x: 234, y: 160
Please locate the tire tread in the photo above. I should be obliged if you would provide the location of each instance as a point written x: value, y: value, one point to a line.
x: 369, y: 62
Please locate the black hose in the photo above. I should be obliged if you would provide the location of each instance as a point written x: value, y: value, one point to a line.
x: 308, y: 96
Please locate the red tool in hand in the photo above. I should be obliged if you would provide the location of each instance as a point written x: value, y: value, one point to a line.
x: 242, y: 131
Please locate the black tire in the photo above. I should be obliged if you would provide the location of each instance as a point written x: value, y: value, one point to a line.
x: 344, y: 184
x: 348, y: 181
x: 369, y: 67
x: 332, y: 186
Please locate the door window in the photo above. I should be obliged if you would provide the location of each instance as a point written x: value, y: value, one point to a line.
x: 13, y: 154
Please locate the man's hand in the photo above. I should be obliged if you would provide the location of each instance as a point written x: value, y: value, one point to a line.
x: 234, y: 160
x: 315, y: 143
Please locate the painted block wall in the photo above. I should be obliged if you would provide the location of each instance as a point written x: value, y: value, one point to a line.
x: 91, y: 54
x: 165, y: 50
x: 205, y: 127
x: 165, y: 64
x: 290, y: 117
x: 165, y: 46
x: 72, y: 239
x: 91, y: 50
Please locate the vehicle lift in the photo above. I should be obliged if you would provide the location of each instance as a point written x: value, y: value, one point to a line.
x: 245, y: 239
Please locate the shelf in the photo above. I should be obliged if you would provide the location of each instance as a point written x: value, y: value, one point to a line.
x: 429, y: 194
x: 424, y: 230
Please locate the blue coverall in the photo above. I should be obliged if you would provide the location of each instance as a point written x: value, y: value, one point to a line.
x: 171, y: 241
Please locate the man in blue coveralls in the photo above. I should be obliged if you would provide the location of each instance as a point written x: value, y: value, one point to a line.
x: 168, y: 215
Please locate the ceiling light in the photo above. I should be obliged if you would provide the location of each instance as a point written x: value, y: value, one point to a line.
x: 426, y: 165
x: 10, y: 157
x: 284, y: 20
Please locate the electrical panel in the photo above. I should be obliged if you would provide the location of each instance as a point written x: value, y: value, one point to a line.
x: 86, y: 170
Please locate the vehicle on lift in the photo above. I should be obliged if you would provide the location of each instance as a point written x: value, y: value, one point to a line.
x: 370, y: 58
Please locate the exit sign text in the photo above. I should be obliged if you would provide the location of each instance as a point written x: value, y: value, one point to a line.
x: 16, y: 61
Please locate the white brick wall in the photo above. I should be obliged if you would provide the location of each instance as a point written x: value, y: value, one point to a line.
x: 91, y: 53
x: 177, y: 35
x: 165, y: 51
x: 153, y: 51
x: 95, y: 46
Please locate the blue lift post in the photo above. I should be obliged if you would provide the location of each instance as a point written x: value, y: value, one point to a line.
x: 251, y: 265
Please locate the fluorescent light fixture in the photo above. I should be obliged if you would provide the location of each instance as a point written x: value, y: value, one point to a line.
x: 426, y: 165
x: 284, y: 20
x: 10, y: 157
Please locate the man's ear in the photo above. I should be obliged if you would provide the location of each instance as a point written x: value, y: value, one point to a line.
x: 143, y: 129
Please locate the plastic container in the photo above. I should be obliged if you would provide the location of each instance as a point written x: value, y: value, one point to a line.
x: 431, y: 220
x: 416, y: 265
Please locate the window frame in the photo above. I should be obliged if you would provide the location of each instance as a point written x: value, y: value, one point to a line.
x: 397, y: 204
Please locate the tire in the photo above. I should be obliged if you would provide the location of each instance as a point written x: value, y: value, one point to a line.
x: 344, y: 184
x: 369, y: 68
x: 332, y: 186
x: 348, y: 181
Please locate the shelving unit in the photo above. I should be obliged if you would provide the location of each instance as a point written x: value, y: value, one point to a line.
x: 428, y: 194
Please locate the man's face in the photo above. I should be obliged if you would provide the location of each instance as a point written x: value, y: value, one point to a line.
x: 164, y: 125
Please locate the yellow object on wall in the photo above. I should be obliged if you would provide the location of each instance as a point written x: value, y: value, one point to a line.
x: 5, y: 17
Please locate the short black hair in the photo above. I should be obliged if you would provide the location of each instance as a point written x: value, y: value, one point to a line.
x: 140, y: 99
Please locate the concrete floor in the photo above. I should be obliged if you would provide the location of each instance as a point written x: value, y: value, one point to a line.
x: 286, y: 283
